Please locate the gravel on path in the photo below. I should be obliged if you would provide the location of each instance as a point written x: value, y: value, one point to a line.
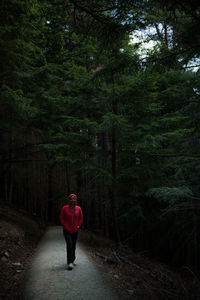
x: 49, y: 279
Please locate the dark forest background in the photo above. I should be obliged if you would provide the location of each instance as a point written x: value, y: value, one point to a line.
x: 83, y: 111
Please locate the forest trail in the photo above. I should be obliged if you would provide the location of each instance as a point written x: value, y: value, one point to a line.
x: 48, y: 277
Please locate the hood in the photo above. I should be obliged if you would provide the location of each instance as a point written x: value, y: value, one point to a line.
x: 72, y: 195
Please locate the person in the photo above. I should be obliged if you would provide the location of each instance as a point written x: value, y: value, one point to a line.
x: 71, y: 218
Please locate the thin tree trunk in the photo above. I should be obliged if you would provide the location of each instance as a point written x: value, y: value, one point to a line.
x: 166, y: 34
x: 68, y: 179
x: 114, y: 194
x: 195, y: 237
x: 105, y: 201
x: 114, y: 175
x: 50, y: 204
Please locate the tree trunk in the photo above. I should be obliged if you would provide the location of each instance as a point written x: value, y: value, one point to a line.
x: 114, y: 192
x: 68, y: 189
x: 50, y: 200
x: 114, y: 173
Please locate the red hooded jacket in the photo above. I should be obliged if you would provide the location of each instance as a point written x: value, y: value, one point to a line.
x: 71, y: 218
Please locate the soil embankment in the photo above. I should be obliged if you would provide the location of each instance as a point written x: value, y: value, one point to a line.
x: 19, y: 235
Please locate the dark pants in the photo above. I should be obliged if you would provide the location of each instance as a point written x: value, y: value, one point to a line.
x: 70, y: 239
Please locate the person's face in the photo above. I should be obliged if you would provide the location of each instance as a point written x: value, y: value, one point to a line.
x: 72, y: 201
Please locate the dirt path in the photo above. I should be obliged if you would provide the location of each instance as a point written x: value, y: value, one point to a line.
x: 49, y: 279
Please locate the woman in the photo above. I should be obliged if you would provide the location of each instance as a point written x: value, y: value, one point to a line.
x: 71, y: 218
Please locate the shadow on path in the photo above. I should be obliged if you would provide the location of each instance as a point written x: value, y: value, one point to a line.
x: 49, y: 279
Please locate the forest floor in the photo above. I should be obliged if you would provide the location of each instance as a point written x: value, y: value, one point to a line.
x: 132, y: 275
x: 135, y: 276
